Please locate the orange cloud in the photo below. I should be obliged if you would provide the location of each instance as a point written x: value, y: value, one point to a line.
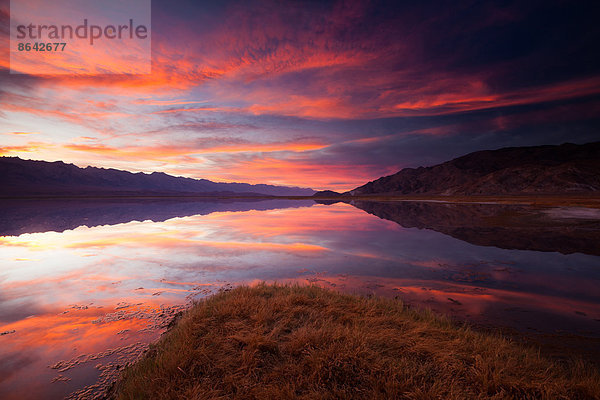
x: 289, y: 171
x: 30, y: 147
x: 156, y: 102
x: 172, y: 151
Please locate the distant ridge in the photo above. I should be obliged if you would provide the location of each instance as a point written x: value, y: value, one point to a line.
x: 326, y: 193
x: 568, y: 168
x: 20, y: 177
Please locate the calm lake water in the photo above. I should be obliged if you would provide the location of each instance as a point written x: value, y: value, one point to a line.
x: 85, y: 285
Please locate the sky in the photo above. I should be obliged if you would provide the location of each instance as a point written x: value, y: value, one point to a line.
x: 326, y: 95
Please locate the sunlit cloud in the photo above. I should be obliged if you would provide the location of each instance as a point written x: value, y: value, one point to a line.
x: 318, y: 96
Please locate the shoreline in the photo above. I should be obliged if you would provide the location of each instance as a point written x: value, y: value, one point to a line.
x: 306, y: 341
x: 542, y: 200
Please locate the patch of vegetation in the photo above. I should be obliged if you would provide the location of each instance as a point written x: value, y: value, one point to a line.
x: 304, y: 342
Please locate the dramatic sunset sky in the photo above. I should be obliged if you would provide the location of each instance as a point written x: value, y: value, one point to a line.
x: 317, y: 94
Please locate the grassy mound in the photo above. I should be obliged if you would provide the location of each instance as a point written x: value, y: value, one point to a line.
x: 283, y: 342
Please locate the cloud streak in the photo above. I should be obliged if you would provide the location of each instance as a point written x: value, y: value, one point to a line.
x: 320, y: 94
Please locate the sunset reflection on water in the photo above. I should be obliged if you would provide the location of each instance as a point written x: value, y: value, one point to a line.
x: 73, y: 295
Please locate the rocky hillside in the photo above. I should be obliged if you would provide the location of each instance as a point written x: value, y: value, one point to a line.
x: 568, y: 168
x: 41, y: 178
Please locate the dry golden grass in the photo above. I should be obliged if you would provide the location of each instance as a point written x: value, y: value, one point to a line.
x: 284, y: 342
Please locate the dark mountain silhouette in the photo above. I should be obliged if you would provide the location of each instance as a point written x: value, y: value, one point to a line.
x: 503, y: 226
x: 41, y: 178
x: 326, y: 193
x: 568, y: 168
x: 327, y: 197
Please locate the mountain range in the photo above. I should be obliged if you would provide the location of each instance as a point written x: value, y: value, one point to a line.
x: 567, y: 168
x: 20, y: 177
x: 563, y: 169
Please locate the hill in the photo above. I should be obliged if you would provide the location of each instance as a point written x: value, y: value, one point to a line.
x: 41, y: 178
x: 326, y: 193
x: 568, y: 168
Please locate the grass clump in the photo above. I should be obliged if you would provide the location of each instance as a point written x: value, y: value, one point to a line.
x: 304, y: 342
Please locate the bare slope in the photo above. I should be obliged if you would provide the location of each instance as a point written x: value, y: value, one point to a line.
x: 568, y: 168
x: 31, y: 178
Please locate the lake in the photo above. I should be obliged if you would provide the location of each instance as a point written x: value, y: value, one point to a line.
x: 86, y: 284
